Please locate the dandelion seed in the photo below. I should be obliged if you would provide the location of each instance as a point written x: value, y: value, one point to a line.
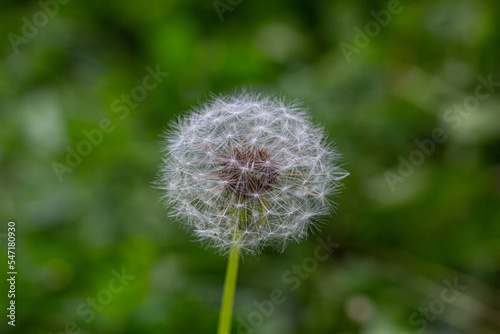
x: 251, y: 165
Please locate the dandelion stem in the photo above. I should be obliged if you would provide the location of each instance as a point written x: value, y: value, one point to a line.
x: 226, y: 312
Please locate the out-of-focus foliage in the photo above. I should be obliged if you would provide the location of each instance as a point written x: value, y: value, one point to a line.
x: 397, y: 248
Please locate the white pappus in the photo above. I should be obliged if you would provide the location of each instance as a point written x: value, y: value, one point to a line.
x: 249, y: 169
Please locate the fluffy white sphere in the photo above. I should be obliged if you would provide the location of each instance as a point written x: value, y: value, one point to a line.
x: 250, y: 170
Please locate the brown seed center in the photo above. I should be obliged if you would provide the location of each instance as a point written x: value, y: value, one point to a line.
x: 248, y: 171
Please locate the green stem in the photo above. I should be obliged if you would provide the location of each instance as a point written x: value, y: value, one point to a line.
x: 226, y: 312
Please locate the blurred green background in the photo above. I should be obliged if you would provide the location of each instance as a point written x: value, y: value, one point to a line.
x: 404, y: 237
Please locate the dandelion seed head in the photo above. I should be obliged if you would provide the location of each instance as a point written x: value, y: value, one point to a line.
x: 251, y: 165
